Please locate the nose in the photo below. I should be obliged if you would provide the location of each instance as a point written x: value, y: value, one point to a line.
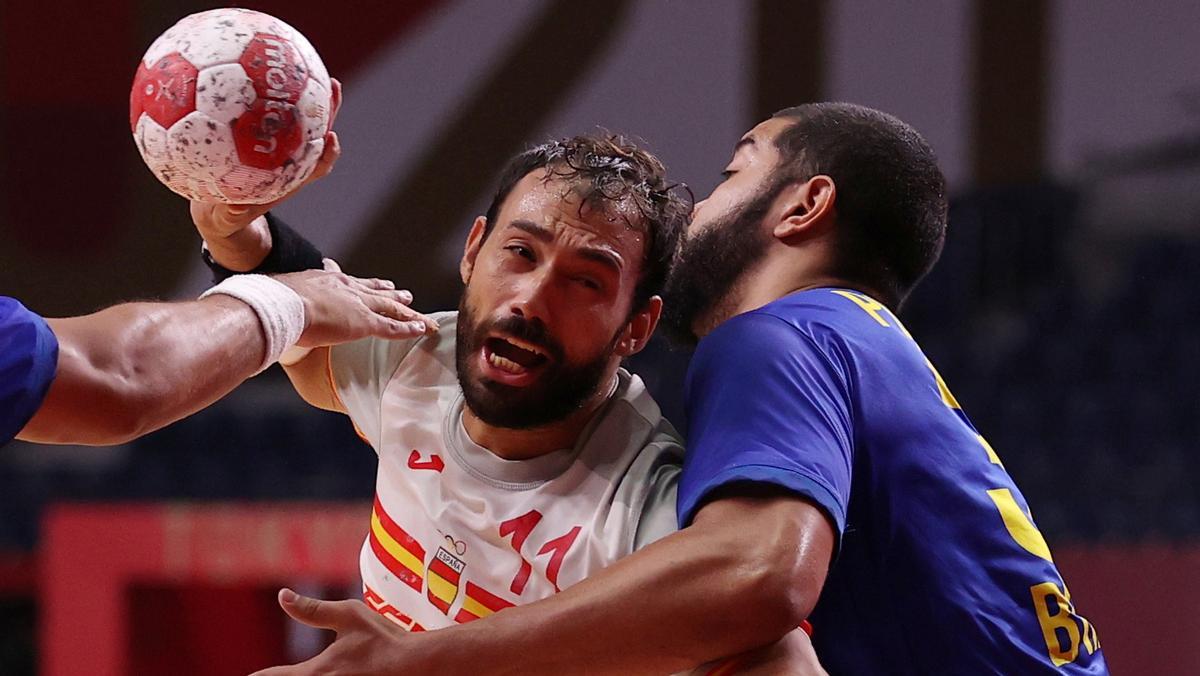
x: 531, y: 299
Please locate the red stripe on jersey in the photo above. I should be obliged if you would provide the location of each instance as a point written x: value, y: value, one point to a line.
x: 478, y: 596
x: 403, y: 573
x: 398, y: 534
x: 463, y: 617
x: 486, y: 598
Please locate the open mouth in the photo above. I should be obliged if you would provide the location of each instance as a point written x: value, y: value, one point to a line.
x: 513, y: 356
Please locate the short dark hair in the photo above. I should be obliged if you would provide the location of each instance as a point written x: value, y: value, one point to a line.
x: 610, y: 170
x: 891, y: 196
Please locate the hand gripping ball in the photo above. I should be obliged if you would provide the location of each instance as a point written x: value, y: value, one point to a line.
x: 231, y: 105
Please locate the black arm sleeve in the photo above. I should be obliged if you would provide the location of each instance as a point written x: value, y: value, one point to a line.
x: 290, y: 252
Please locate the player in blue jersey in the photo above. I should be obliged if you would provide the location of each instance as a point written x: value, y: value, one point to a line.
x: 111, y: 376
x: 805, y: 384
x: 830, y: 473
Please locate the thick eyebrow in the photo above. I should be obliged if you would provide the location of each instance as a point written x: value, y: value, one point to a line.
x: 600, y: 255
x: 603, y: 257
x: 541, y: 233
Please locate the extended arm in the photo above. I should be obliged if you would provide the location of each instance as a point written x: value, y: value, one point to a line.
x: 130, y: 369
x: 745, y: 574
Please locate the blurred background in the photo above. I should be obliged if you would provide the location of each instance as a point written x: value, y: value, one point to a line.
x: 1062, y: 314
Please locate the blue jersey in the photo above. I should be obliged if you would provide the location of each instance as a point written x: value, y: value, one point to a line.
x: 28, y: 357
x: 939, y: 567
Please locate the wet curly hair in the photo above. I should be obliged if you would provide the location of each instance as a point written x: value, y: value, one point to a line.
x: 610, y: 172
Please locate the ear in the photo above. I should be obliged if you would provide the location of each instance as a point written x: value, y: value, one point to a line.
x: 640, y: 328
x: 807, y: 206
x: 471, y: 249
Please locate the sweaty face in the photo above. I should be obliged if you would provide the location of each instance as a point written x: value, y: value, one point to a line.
x: 548, y: 295
x: 726, y: 237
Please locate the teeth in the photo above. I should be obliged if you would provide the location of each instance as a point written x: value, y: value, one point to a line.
x: 526, y: 346
x: 505, y: 364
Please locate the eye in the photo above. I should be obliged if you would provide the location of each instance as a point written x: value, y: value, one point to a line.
x: 725, y: 175
x: 588, y: 282
x: 519, y: 250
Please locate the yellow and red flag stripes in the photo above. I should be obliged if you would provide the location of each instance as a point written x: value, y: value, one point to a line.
x: 478, y: 603
x: 396, y: 549
x: 445, y: 571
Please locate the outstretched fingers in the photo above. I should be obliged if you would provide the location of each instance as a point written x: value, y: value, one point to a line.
x: 383, y: 298
x: 399, y: 320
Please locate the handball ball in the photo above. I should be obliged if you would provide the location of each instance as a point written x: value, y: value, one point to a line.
x: 231, y: 105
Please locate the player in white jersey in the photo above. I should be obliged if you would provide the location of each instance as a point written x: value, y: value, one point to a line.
x: 457, y: 532
x: 515, y: 456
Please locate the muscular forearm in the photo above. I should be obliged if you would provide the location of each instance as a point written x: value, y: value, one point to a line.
x: 664, y: 610
x: 136, y: 367
x: 712, y: 590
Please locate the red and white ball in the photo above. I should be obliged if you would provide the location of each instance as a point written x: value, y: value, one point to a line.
x: 231, y: 105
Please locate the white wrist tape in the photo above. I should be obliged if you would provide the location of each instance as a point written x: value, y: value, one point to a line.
x: 280, y: 310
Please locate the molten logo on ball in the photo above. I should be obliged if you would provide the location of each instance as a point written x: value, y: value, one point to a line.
x: 230, y: 105
x: 267, y: 135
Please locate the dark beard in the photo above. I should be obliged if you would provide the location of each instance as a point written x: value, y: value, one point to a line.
x: 559, y: 391
x: 710, y: 263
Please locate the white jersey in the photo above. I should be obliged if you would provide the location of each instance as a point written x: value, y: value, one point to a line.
x: 457, y: 532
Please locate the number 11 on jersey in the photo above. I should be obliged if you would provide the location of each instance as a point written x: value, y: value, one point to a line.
x: 519, y: 528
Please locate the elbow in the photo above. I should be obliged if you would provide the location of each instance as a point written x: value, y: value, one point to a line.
x: 778, y: 589
x: 782, y: 564
x: 760, y: 563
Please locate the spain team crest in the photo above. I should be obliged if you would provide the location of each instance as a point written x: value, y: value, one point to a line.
x: 444, y: 574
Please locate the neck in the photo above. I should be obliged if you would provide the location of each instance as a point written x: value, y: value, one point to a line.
x: 771, y: 280
x: 533, y: 442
